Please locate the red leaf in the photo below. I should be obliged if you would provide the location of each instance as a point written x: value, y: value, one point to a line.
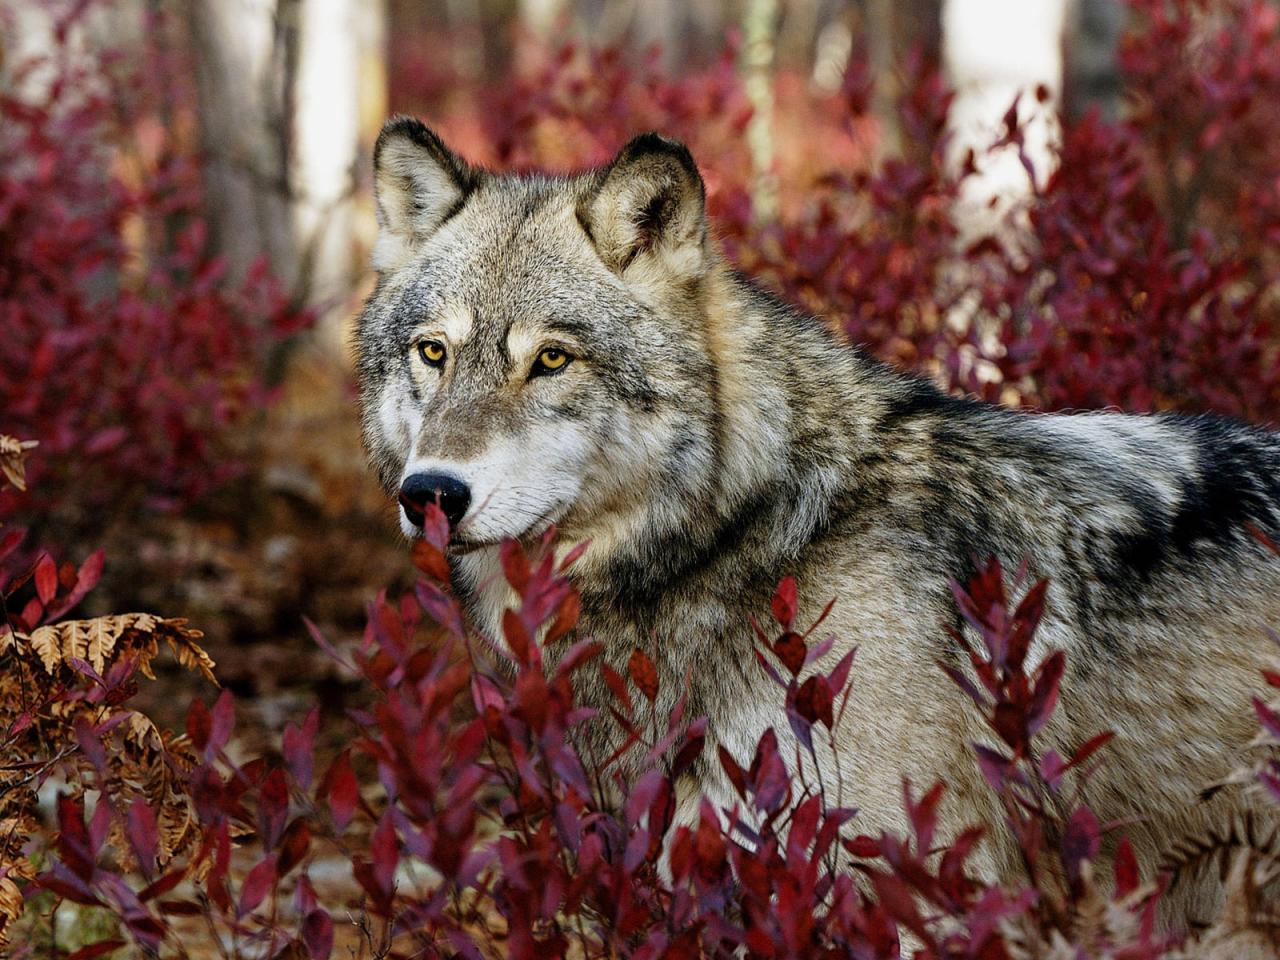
x: 440, y: 607
x: 181, y: 908
x: 515, y: 565
x: 734, y: 772
x: 517, y: 636
x: 299, y: 748
x: 768, y: 774
x: 46, y: 579
x: 692, y: 747
x: 784, y: 602
x: 896, y: 898
x: 1126, y: 868
x: 317, y: 934
x: 839, y: 677
x: 257, y: 885
x: 143, y: 836
x: 385, y: 850
x: 814, y: 701
x: 90, y: 572
x: 617, y: 686
x: 162, y: 885
x: 1051, y: 768
x: 804, y: 826
x: 73, y: 838
x: 435, y: 527
x: 924, y: 815
x: 1261, y: 536
x: 581, y: 653
x: 343, y: 793
x: 294, y: 845
x: 273, y: 808
x: 790, y: 649
x: 224, y: 720
x: 1045, y: 697
x: 485, y: 694
x: 1267, y: 717
x: 9, y: 541
x: 430, y: 559
x: 566, y: 618
x: 1092, y: 745
x: 573, y: 555
x: 643, y: 674
x: 100, y: 825
x: 1080, y: 841
x: 199, y: 724
x: 319, y: 639
x: 995, y: 767
x: 69, y: 887
x: 863, y: 846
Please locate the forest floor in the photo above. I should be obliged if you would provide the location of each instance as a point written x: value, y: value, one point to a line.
x: 306, y: 535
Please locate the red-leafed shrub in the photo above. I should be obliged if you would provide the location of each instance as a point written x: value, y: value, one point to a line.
x: 471, y: 825
x: 126, y: 349
x: 461, y: 816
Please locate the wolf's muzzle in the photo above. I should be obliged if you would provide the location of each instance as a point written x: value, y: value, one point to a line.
x: 450, y: 494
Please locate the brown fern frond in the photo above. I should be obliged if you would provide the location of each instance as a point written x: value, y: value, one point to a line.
x: 11, y: 905
x: 1200, y: 850
x: 1243, y: 931
x: 13, y: 455
x: 103, y: 639
x: 182, y: 641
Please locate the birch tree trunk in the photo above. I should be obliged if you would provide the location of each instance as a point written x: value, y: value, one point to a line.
x: 281, y: 86
x: 995, y: 51
x: 245, y: 54
x: 760, y: 33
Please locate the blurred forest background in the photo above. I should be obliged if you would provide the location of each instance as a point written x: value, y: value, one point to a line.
x: 1047, y: 203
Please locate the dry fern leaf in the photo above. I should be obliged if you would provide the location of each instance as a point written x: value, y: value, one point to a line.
x: 95, y: 641
x: 1217, y: 843
x: 1242, y: 930
x: 11, y: 905
x: 13, y: 454
x: 182, y: 641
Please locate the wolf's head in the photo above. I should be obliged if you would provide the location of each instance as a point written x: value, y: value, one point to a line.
x: 534, y: 351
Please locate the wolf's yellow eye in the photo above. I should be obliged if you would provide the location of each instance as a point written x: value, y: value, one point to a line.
x: 431, y: 352
x: 549, y: 361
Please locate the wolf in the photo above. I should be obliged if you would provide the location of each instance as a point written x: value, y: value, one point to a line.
x: 574, y: 352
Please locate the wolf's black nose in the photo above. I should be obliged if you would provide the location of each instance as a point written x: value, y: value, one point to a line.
x: 449, y: 493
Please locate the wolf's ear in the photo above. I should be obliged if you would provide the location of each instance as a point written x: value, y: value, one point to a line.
x: 418, y: 184
x: 649, y: 202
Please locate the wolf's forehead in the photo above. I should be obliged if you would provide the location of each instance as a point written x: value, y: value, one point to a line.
x: 507, y: 258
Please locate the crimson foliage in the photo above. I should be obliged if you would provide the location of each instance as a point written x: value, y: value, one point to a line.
x: 491, y: 834
x: 470, y: 823
x: 127, y: 351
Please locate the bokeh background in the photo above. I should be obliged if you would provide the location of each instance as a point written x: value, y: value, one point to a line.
x: 1048, y: 203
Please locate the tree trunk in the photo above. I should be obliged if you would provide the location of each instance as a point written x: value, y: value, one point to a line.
x: 760, y: 22
x: 996, y: 51
x: 246, y: 54
x: 281, y: 85
x: 1092, y: 73
x: 893, y: 30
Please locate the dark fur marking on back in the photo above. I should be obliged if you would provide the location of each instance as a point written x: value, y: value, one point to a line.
x: 1234, y: 484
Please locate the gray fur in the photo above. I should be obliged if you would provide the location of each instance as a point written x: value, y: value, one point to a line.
x: 717, y: 440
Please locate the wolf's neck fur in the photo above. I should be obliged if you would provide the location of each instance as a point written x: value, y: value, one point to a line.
x: 791, y: 407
